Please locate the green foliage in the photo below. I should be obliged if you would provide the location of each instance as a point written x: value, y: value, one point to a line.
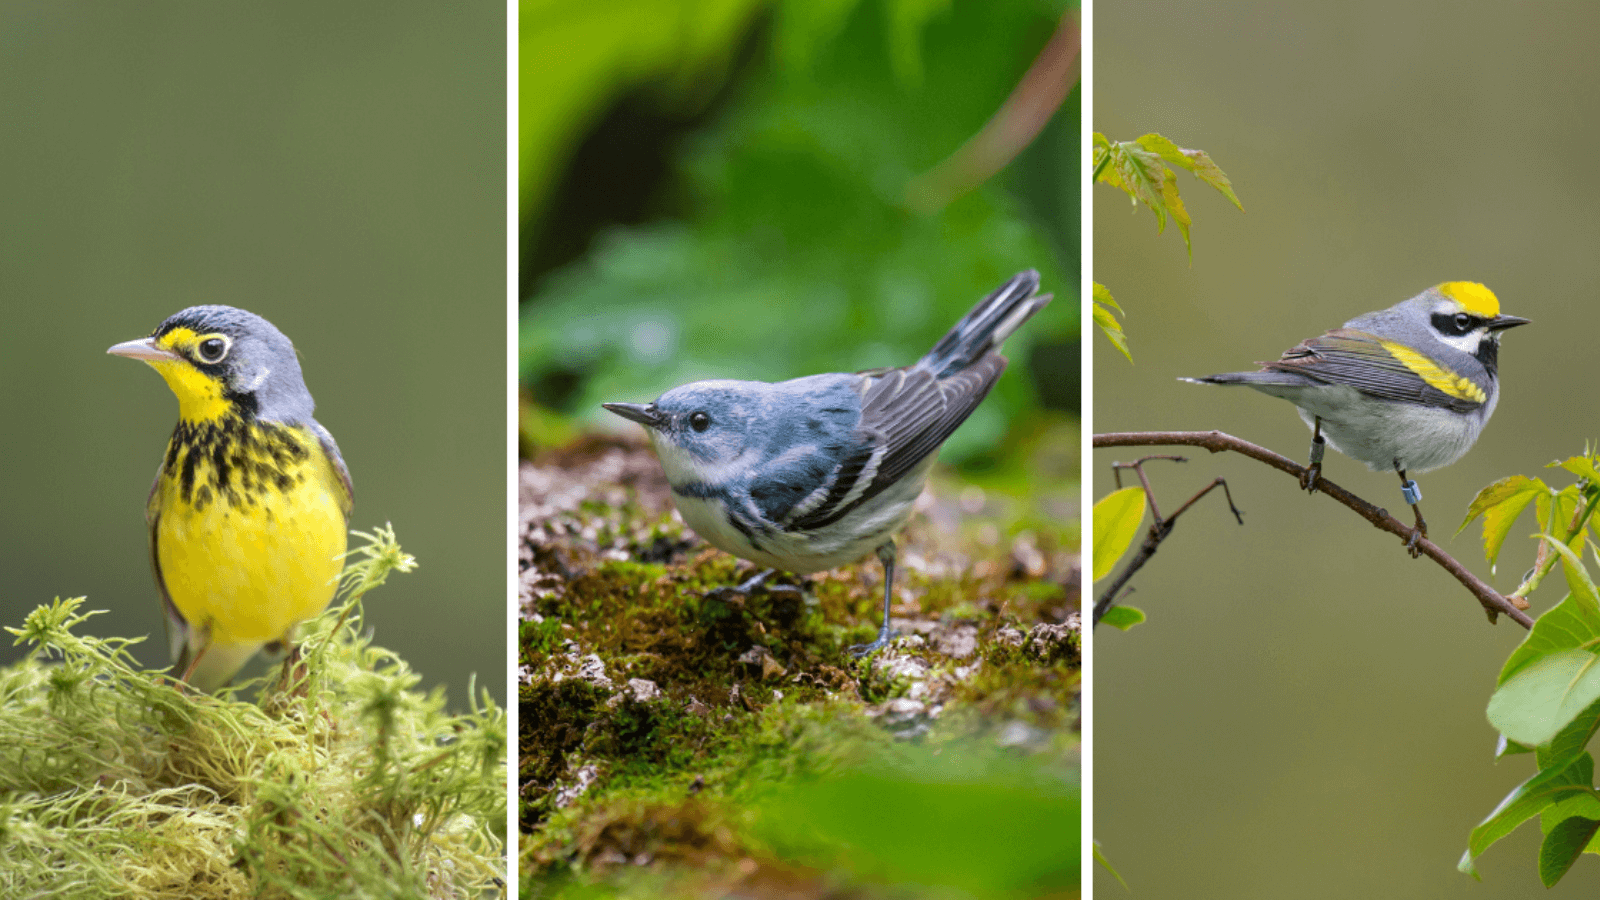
x: 1117, y: 517
x: 1122, y: 617
x: 340, y: 780
x: 796, y: 250
x: 1140, y: 168
x: 1106, y: 311
x: 1547, y: 698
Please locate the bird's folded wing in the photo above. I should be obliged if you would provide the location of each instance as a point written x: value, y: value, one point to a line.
x: 1383, y: 369
x: 905, y: 415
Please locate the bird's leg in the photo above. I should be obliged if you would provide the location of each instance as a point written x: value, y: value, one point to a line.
x: 1413, y: 495
x: 886, y: 554
x: 194, y: 663
x: 1313, y: 472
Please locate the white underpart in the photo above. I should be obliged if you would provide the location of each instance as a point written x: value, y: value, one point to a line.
x: 1380, y: 433
x: 849, y: 539
x: 681, y: 468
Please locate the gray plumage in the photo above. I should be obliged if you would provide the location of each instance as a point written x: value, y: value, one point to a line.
x: 817, y: 472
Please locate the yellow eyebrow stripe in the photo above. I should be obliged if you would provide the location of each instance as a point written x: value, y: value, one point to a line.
x: 1473, y: 297
x: 1437, y: 377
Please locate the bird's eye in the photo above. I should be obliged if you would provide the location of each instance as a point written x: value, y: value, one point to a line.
x: 213, y: 349
x: 1463, y: 322
x: 699, y: 421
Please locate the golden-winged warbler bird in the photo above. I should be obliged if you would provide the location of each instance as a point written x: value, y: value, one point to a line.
x: 1408, y: 388
x: 817, y: 472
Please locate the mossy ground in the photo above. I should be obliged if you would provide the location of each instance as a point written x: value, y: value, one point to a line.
x: 341, y: 781
x: 678, y: 741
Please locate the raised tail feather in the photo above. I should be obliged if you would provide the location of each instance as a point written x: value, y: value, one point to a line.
x: 982, y: 331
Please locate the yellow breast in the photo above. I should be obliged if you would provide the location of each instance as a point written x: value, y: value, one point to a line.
x: 248, y: 526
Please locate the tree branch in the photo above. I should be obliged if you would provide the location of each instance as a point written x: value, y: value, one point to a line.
x: 1494, y: 603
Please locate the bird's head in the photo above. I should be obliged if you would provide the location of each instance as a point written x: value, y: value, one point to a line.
x: 219, y: 360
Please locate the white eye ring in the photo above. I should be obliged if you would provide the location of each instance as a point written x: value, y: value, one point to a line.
x: 213, y: 348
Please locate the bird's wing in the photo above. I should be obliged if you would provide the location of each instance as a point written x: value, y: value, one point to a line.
x: 331, y: 449
x: 1380, y: 368
x: 905, y: 415
x: 177, y: 626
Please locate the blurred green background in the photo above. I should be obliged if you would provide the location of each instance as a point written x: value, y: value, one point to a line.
x: 1304, y: 714
x: 336, y: 168
x: 735, y: 194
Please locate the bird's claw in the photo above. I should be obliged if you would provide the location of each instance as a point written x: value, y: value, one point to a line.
x: 1417, y: 534
x: 860, y: 650
x: 1311, y: 477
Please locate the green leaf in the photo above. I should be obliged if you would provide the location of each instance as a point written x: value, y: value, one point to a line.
x: 1562, y: 846
x: 1569, y: 742
x: 1578, y: 580
x: 1101, y: 859
x: 1581, y: 466
x: 1103, y: 305
x: 1545, y: 696
x: 1500, y: 504
x: 1547, y: 787
x: 1568, y: 625
x: 1504, y: 746
x: 1196, y: 161
x: 1117, y: 517
x: 1122, y: 617
x: 1584, y: 804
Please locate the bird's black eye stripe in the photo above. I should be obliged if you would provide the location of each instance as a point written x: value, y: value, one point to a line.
x: 213, y: 349
x: 1453, y: 324
x: 699, y: 421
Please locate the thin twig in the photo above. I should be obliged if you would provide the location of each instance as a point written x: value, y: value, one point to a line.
x: 1494, y: 603
x: 1159, y: 528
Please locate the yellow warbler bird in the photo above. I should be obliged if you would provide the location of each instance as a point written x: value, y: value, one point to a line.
x: 250, y: 507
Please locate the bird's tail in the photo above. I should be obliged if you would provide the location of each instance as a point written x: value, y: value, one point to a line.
x: 986, y: 327
x: 1253, y: 378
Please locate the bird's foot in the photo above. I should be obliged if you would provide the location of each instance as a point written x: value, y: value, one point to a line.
x: 1311, y: 478
x: 743, y: 591
x: 1417, y: 534
x: 860, y: 650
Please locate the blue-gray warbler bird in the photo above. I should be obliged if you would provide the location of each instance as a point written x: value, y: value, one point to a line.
x: 818, y: 472
x: 1408, y: 388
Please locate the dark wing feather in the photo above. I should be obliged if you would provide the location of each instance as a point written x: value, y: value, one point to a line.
x: 331, y: 448
x: 1356, y: 359
x: 908, y: 413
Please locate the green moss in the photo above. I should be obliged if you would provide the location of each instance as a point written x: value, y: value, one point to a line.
x: 339, y: 780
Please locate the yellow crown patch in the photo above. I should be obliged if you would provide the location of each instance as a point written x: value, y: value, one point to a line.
x: 1473, y: 297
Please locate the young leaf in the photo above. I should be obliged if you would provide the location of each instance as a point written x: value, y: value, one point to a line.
x: 1103, y: 316
x: 1526, y: 801
x: 1581, y: 466
x: 1562, y: 846
x: 1578, y: 580
x: 1196, y: 161
x: 1500, y: 504
x: 1140, y: 169
x: 1122, y: 617
x: 1545, y: 696
x: 1117, y: 517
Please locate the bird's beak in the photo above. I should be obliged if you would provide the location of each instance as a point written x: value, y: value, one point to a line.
x: 144, y: 348
x: 645, y: 414
x: 1500, y: 323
